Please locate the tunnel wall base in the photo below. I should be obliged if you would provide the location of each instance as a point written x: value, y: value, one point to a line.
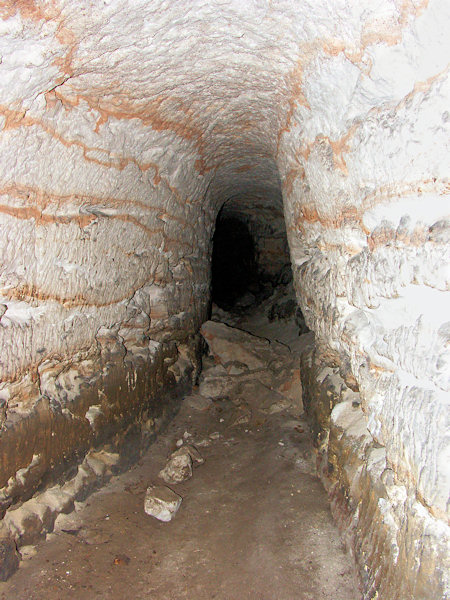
x: 64, y: 449
x: 400, y: 547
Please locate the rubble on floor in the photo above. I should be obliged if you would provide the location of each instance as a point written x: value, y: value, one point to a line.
x: 252, y: 521
x: 161, y: 502
x: 177, y: 469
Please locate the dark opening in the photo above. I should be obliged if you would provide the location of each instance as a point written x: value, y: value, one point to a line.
x: 234, y: 267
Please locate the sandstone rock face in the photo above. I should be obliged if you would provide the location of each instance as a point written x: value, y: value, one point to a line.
x: 126, y: 126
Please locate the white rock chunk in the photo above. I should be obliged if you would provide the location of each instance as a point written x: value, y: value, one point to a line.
x: 192, y: 452
x: 161, y: 502
x: 228, y: 344
x: 178, y: 468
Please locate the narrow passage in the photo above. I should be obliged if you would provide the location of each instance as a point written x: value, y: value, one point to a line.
x: 254, y: 522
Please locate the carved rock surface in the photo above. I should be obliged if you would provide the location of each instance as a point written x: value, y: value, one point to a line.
x: 126, y: 127
x: 381, y: 519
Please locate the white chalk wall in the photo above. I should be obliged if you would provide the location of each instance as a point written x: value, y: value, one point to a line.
x: 365, y: 163
x: 125, y: 125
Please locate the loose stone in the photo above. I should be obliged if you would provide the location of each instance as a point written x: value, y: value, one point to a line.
x: 161, y: 502
x: 178, y: 468
x: 192, y: 452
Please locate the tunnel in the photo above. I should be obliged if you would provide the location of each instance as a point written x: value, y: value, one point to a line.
x: 168, y: 171
x: 250, y: 253
x: 233, y: 265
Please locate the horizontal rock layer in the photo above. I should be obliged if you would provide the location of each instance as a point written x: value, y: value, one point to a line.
x: 126, y: 126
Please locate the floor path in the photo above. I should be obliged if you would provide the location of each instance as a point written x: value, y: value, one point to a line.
x: 254, y: 522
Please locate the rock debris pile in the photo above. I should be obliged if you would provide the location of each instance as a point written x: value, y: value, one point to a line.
x: 252, y: 521
x: 251, y: 377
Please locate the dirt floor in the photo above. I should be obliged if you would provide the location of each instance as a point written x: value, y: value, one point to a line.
x: 254, y: 522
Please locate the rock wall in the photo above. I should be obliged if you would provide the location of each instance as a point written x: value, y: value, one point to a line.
x: 401, y: 549
x: 366, y: 202
x: 104, y: 278
x: 126, y: 125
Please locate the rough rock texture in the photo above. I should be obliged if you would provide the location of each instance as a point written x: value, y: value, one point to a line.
x: 255, y: 522
x: 9, y: 557
x: 126, y: 125
x: 229, y: 345
x: 177, y: 469
x: 161, y: 502
x: 387, y: 529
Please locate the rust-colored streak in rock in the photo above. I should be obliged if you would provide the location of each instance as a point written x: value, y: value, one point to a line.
x: 170, y: 243
x: 44, y: 198
x: 296, y: 96
x: 400, y: 189
x: 28, y: 9
x: 65, y: 63
x: 410, y: 8
x: 166, y: 216
x: 309, y: 214
x: 18, y: 118
x: 350, y: 215
x: 321, y: 101
x: 377, y: 34
x: 150, y: 112
x: 387, y: 235
x: 421, y: 87
x: 31, y: 212
x: 340, y: 147
x: 354, y: 216
x: 390, y: 32
x: 31, y: 294
x: 292, y: 174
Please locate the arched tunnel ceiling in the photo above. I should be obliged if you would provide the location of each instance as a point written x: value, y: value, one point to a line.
x: 218, y: 76
x: 122, y: 81
x: 127, y: 124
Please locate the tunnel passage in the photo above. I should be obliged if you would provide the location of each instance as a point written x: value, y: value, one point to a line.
x: 234, y: 270
x: 125, y: 126
x: 250, y: 253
